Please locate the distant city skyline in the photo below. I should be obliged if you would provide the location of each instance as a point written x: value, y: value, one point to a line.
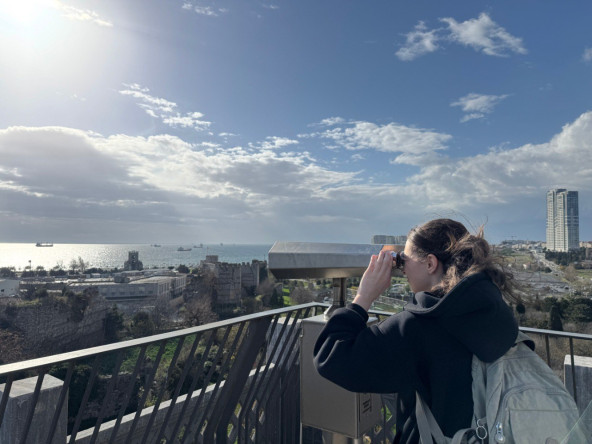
x: 250, y: 122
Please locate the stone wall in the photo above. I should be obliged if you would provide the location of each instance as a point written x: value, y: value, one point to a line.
x: 52, y: 326
x: 250, y: 274
x: 229, y: 284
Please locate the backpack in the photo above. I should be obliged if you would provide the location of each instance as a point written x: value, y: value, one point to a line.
x: 516, y: 399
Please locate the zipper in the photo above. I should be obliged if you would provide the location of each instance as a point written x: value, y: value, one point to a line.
x: 499, y: 433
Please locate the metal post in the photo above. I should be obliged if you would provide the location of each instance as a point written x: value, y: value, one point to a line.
x: 339, y: 292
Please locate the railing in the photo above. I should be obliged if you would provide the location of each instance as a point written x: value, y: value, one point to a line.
x: 225, y: 382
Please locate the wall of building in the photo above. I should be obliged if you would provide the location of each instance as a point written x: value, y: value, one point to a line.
x: 250, y: 274
x: 228, y: 284
x: 9, y: 287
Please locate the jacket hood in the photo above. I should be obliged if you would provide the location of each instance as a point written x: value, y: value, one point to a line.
x: 475, y: 313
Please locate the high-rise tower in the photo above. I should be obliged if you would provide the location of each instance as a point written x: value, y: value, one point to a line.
x: 563, y: 221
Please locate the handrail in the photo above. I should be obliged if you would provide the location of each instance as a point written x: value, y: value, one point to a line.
x: 109, y: 348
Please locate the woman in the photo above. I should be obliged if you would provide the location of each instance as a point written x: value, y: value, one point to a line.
x: 457, y: 311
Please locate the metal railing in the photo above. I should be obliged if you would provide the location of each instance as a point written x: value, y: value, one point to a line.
x: 233, y: 381
x: 228, y: 381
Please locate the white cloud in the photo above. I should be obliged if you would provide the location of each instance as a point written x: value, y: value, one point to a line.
x: 476, y: 106
x: 207, y: 11
x: 84, y: 182
x: 418, y: 42
x: 483, y: 34
x: 330, y: 121
x: 273, y: 143
x: 414, y: 144
x: 587, y: 55
x: 507, y: 176
x: 164, y: 109
x: 86, y: 15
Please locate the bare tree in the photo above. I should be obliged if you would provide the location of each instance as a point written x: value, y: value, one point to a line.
x: 300, y: 295
x: 198, y: 311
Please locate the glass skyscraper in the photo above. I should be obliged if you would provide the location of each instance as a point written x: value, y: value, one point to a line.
x: 563, y: 221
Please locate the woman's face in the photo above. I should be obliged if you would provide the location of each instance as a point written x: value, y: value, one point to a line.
x: 416, y: 270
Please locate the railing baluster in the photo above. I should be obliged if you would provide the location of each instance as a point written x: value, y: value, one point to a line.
x: 5, y: 396
x: 63, y: 393
x: 186, y: 367
x: 279, y: 369
x: 156, y: 406
x: 214, y: 397
x: 573, y: 370
x: 237, y: 377
x: 107, y: 397
x: 197, y: 373
x: 33, y: 404
x: 89, y: 386
x: 137, y: 367
x: 192, y: 423
x: 547, y: 350
x: 147, y: 386
x: 257, y: 381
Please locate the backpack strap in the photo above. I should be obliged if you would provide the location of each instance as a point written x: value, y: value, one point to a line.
x: 429, y: 430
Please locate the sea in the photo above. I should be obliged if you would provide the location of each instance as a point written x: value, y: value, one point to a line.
x: 107, y: 256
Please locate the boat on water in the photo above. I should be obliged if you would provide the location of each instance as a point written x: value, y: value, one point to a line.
x: 198, y: 246
x: 183, y: 249
x: 155, y: 245
x: 44, y: 244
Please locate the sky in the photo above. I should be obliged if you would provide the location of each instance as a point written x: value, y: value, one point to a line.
x: 143, y: 121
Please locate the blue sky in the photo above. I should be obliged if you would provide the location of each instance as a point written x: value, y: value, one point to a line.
x: 250, y: 122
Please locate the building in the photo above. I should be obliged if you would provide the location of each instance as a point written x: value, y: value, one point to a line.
x: 136, y: 288
x: 385, y: 239
x: 9, y: 287
x: 133, y: 262
x: 229, y: 280
x: 563, y: 222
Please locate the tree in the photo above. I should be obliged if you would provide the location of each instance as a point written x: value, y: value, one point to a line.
x: 142, y: 325
x: 301, y: 296
x: 555, y: 318
x: 183, y: 269
x: 276, y: 300
x: 7, y: 272
x: 198, y: 311
x: 73, y: 266
x: 81, y: 265
x: 113, y: 325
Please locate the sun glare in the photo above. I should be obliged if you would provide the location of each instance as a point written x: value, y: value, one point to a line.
x: 23, y: 12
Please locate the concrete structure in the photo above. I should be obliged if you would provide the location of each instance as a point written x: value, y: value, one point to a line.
x: 583, y: 366
x: 9, y: 288
x: 563, y: 222
x: 389, y: 240
x: 20, y: 400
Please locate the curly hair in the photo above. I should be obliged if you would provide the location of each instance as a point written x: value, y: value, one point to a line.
x: 461, y: 254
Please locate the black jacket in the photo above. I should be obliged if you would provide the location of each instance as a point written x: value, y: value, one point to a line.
x: 427, y: 348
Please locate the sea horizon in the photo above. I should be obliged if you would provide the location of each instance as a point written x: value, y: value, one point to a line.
x: 21, y: 255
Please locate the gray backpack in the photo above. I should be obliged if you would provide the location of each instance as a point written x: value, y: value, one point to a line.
x: 516, y: 399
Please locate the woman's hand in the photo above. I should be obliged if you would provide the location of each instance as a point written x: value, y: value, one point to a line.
x: 376, y: 279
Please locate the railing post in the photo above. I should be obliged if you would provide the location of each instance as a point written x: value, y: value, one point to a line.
x: 21, y: 399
